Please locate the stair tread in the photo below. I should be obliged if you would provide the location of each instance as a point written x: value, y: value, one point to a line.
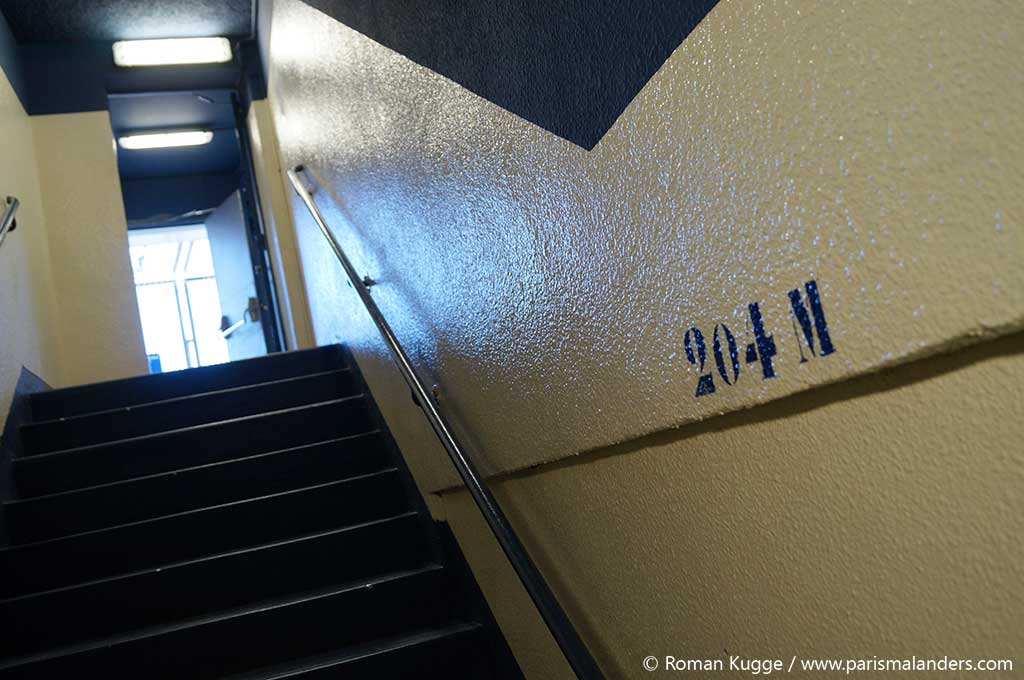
x: 171, y: 401
x: 358, y: 652
x: 252, y: 608
x: 249, y: 521
x: 137, y: 420
x: 80, y: 467
x: 179, y: 471
x: 119, y: 392
x: 219, y: 583
x: 151, y: 520
x: 50, y: 455
x: 90, y: 555
x: 155, y: 569
x: 137, y: 498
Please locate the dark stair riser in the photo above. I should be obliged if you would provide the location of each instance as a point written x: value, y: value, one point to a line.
x: 215, y: 526
x: 457, y: 655
x: 108, y: 552
x: 144, y: 389
x: 74, y: 615
x: 211, y: 649
x: 78, y: 468
x: 162, y: 416
x: 470, y: 595
x: 178, y: 491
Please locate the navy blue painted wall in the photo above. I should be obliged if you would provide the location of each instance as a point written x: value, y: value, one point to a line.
x: 167, y: 182
x: 146, y: 200
x: 78, y: 77
x: 569, y: 66
x: 52, y: 78
x: 73, y: 77
x: 59, y: 51
x: 220, y: 155
x: 40, y: 21
x: 10, y: 59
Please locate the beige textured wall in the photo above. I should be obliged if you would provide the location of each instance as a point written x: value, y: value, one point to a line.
x: 28, y: 330
x: 881, y: 516
x: 280, y: 228
x: 88, y: 238
x: 873, y: 147
x: 833, y: 510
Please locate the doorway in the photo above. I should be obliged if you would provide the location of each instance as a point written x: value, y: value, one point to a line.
x: 176, y: 287
x: 202, y: 275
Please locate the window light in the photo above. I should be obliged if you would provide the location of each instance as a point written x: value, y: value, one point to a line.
x: 172, y: 51
x: 161, y: 140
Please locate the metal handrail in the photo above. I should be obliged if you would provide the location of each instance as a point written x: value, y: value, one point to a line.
x: 576, y: 653
x: 7, y: 222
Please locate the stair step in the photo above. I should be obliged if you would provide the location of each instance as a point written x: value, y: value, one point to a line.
x: 180, y: 412
x: 450, y: 653
x: 176, y: 592
x: 166, y: 493
x: 251, y: 637
x: 73, y: 401
x: 35, y: 567
x: 248, y: 521
x: 49, y: 473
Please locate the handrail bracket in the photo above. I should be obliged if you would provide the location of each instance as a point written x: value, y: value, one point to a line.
x: 8, y: 223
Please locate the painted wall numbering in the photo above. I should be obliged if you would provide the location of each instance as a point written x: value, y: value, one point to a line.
x: 725, y: 349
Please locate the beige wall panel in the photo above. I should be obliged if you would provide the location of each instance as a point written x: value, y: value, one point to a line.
x: 88, y: 235
x: 535, y: 650
x: 873, y: 147
x: 881, y: 516
x: 277, y: 217
x: 28, y: 333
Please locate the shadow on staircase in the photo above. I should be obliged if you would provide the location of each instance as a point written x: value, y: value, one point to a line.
x: 249, y: 520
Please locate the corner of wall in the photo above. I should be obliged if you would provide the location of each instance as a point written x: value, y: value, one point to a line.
x: 28, y: 305
x: 88, y: 242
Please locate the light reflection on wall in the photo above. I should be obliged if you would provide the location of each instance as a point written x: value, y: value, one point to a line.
x: 549, y: 289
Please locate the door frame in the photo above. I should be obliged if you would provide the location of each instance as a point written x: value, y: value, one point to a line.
x: 248, y: 190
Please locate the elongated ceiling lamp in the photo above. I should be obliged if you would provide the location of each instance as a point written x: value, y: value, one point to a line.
x: 172, y: 51
x: 162, y: 140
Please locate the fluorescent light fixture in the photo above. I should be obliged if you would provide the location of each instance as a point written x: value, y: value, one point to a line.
x: 172, y: 51
x: 162, y: 140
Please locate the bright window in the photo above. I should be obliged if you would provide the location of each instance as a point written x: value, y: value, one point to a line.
x: 176, y: 287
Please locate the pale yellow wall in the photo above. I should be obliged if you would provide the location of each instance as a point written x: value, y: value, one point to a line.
x: 68, y: 304
x: 833, y: 510
x: 280, y: 228
x: 88, y: 238
x: 28, y: 327
x: 882, y: 516
x: 875, y: 147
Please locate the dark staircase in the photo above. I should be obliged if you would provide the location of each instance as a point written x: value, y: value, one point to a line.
x: 250, y: 520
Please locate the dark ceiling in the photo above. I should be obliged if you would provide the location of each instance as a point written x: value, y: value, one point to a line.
x: 60, y: 52
x: 204, y: 109
x: 160, y: 185
x: 34, y: 21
